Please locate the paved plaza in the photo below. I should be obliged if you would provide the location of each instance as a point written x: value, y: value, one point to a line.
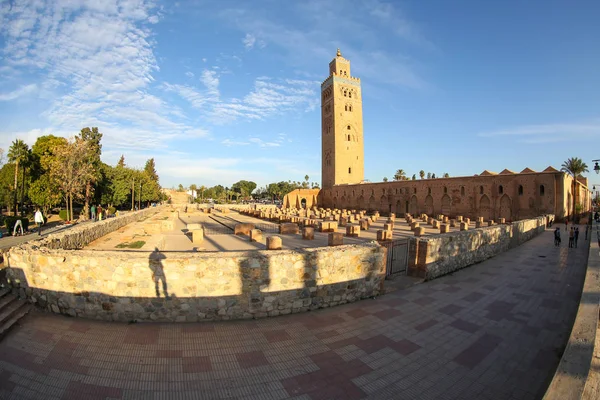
x: 495, y: 330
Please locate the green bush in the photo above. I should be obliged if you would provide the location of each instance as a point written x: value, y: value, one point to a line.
x: 112, y: 210
x: 63, y: 215
x: 9, y: 223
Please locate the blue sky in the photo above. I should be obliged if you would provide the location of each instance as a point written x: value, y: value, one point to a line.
x: 218, y: 91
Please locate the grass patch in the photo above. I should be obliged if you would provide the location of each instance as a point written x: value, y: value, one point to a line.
x: 133, y: 245
x: 164, y: 218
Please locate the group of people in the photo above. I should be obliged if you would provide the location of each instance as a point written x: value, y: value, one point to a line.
x: 97, y: 213
x: 38, y: 218
x: 573, y: 235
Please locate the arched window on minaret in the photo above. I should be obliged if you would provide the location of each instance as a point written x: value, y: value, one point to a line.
x: 350, y: 94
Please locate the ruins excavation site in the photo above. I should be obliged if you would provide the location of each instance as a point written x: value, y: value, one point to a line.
x: 225, y: 228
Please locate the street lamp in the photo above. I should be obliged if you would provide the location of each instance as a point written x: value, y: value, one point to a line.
x: 596, y: 166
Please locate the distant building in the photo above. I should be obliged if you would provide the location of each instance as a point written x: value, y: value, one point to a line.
x: 508, y: 194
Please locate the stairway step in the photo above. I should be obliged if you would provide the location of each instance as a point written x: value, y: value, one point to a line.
x: 7, y: 311
x: 6, y: 300
x: 4, y: 292
x: 20, y: 313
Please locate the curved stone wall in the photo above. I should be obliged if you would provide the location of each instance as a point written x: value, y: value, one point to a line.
x: 125, y: 286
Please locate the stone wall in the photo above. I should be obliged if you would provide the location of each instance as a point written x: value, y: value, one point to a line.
x: 492, y: 196
x: 437, y: 255
x: 79, y: 236
x: 120, y: 286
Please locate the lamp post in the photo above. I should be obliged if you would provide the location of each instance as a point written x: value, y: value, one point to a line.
x: 596, y: 166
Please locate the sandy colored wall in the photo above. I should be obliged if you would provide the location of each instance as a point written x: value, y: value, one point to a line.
x: 438, y: 255
x: 120, y: 286
x: 491, y: 196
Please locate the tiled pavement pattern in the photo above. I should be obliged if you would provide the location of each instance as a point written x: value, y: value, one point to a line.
x: 492, y: 331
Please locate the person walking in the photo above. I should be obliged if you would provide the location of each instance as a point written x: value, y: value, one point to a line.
x: 557, y: 237
x: 576, y: 235
x: 39, y: 220
x: 100, y: 213
x: 571, y: 237
x: 93, y: 211
x: 18, y: 224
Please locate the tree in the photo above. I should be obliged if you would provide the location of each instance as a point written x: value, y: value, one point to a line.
x: 575, y: 167
x: 202, y: 189
x: 244, y: 188
x: 429, y: 175
x: 121, y: 162
x: 7, y: 177
x: 93, y: 138
x: 422, y: 174
x: 194, y: 190
x: 400, y: 175
x: 432, y: 176
x: 446, y: 175
x: 18, y: 153
x: 385, y: 179
x: 72, y: 171
x: 45, y: 192
x: 414, y: 177
x: 180, y: 188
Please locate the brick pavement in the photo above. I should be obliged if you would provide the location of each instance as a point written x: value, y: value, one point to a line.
x: 492, y: 331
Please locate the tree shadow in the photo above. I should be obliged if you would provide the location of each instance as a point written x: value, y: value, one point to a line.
x: 158, y: 272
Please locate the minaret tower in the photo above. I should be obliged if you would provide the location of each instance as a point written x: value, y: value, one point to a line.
x: 342, y: 143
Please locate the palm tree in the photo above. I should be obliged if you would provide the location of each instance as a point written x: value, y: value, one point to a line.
x: 202, y: 189
x: 574, y: 167
x: 400, y: 175
x: 385, y: 179
x: 422, y: 174
x: 446, y: 175
x: 18, y: 153
x: 429, y: 175
x: 194, y: 190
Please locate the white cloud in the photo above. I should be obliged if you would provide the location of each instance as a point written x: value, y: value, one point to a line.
x: 262, y: 143
x: 229, y: 142
x: 249, y: 41
x: 268, y: 97
x: 98, y: 56
x: 549, y: 131
x: 189, y: 74
x: 15, y: 94
x: 311, y: 42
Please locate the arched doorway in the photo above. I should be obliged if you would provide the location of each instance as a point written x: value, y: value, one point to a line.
x: 343, y: 202
x: 361, y: 203
x: 413, y: 205
x: 446, y: 205
x: 383, y: 204
x: 335, y: 202
x: 484, y: 207
x: 429, y: 205
x: 372, y: 203
x: 399, y: 208
x: 303, y: 203
x: 505, y: 208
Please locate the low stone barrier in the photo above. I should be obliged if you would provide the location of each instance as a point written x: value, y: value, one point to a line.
x: 438, y: 255
x: 80, y: 236
x: 243, y: 229
x: 155, y: 286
